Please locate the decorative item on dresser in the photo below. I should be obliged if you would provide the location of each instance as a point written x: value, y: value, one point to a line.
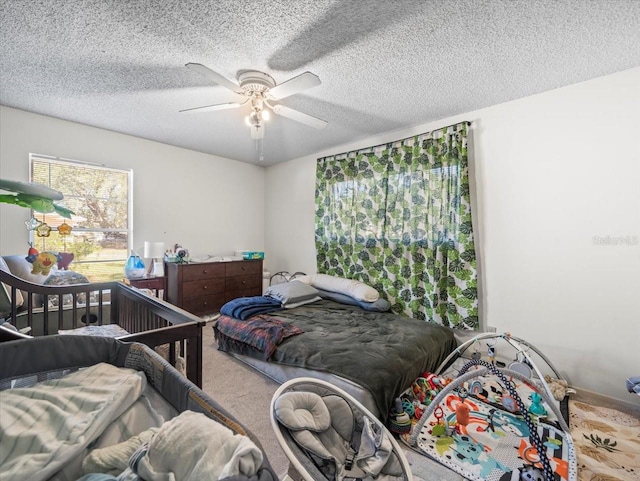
x: 203, y: 288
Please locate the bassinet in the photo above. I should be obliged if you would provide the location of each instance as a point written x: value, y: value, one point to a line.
x: 25, y: 362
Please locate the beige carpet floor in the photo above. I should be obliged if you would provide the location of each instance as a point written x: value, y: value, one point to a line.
x: 245, y: 393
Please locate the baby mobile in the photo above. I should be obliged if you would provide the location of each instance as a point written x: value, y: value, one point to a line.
x: 40, y: 198
x: 43, y: 261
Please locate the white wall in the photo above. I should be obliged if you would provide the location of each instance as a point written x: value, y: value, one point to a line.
x: 556, y: 184
x: 210, y: 205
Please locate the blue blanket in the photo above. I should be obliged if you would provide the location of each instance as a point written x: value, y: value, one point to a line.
x: 245, y: 307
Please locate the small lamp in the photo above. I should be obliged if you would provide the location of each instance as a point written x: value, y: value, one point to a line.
x: 155, y: 251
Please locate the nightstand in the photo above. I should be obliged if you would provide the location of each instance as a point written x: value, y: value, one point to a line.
x: 156, y: 284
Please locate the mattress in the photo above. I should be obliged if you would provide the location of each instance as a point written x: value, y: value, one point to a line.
x: 381, y: 353
x: 282, y: 373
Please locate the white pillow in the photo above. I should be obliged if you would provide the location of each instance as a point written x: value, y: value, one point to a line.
x: 350, y: 287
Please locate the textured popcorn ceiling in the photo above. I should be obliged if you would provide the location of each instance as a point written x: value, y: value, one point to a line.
x: 384, y: 65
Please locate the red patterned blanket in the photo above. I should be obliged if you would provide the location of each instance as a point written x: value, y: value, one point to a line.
x: 260, y: 334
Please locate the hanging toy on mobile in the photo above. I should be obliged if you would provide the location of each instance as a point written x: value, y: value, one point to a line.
x: 536, y: 405
x: 64, y: 230
x: 42, y: 261
x: 440, y: 428
x: 462, y: 410
x: 491, y: 352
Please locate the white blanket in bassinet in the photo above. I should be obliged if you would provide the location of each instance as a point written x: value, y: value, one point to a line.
x: 44, y: 426
x: 193, y: 447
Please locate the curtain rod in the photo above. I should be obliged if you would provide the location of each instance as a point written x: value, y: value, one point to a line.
x: 384, y: 144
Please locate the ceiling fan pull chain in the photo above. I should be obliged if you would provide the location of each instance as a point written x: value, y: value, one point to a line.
x: 259, y: 149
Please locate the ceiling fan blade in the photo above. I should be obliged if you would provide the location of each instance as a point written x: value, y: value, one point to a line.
x: 292, y: 86
x: 211, y: 108
x: 215, y: 77
x: 306, y: 119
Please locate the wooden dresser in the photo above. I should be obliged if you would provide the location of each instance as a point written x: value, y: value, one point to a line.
x: 202, y: 288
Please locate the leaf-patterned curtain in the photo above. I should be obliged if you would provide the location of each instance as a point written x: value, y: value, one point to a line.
x: 398, y: 217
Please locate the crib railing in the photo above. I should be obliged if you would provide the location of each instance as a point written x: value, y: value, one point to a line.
x: 147, y: 319
x: 47, y: 309
x: 155, y: 322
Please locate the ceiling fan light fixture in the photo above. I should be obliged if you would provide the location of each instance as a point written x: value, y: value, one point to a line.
x: 259, y: 88
x: 253, y: 81
x: 254, y: 118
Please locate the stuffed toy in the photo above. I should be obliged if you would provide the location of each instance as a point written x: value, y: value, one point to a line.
x: 558, y: 387
x: 42, y: 262
x: 64, y: 259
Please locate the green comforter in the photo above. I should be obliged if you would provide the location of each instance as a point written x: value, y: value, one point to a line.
x: 382, y: 352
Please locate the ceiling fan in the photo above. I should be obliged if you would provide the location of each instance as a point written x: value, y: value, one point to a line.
x: 259, y: 89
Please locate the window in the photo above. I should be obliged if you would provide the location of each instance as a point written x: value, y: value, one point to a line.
x: 414, y: 206
x: 100, y: 198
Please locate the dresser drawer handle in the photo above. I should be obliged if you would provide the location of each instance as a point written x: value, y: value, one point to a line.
x: 244, y: 268
x: 204, y: 303
x: 244, y: 282
x: 204, y: 271
x: 204, y: 287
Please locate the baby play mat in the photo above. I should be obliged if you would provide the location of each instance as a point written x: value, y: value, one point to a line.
x: 499, y: 440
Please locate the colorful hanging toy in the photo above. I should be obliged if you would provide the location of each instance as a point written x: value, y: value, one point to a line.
x: 491, y: 352
x: 64, y: 230
x: 65, y: 258
x: 440, y: 427
x: 462, y: 410
x: 42, y: 261
x: 536, y: 405
x: 43, y: 230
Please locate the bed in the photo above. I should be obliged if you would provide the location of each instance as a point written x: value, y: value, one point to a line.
x: 374, y: 356
x: 100, y: 405
x: 111, y: 309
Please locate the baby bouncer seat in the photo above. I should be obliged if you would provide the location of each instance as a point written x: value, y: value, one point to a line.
x: 328, y: 435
